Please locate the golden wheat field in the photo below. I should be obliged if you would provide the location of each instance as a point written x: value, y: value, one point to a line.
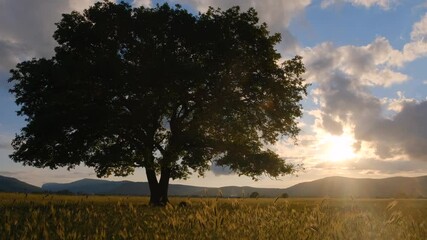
x: 112, y: 217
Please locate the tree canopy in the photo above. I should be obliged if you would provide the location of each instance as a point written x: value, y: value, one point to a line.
x: 162, y: 89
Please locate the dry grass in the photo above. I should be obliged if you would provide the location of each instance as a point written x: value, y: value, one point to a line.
x: 96, y: 217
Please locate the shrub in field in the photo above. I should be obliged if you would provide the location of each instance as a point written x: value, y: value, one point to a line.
x: 254, y: 195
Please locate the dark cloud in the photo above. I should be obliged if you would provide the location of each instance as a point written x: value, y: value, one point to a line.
x: 331, y: 125
x: 406, y: 132
x: 357, y: 146
x: 9, y: 53
x: 31, y: 36
x: 27, y: 27
x: 219, y: 170
x: 6, y: 146
x: 345, y: 98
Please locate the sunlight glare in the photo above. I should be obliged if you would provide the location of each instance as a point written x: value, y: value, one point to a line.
x: 338, y: 148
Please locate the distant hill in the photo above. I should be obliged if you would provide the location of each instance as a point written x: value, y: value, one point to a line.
x: 85, y: 186
x: 412, y: 187
x: 361, y: 187
x: 325, y: 187
x: 8, y: 184
x: 94, y: 186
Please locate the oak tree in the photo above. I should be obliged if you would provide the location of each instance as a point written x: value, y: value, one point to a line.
x: 161, y: 89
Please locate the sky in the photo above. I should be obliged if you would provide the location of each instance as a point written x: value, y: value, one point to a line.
x: 365, y: 113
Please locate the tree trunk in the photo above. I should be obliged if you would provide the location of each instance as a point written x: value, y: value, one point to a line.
x: 153, y: 185
x: 164, y: 184
x: 158, y: 189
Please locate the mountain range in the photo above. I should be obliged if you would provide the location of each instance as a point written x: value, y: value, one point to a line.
x: 8, y: 184
x: 413, y: 187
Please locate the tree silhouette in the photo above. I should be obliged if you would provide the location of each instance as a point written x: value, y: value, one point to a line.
x: 161, y: 89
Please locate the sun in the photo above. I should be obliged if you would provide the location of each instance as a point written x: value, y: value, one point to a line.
x: 338, y: 148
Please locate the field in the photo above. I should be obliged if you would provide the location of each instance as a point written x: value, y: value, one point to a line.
x: 111, y: 217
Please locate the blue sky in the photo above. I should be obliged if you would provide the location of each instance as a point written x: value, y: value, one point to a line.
x: 366, y: 110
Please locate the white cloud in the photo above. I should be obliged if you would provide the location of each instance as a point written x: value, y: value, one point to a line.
x: 397, y: 104
x: 384, y: 4
x: 411, y: 51
x: 416, y: 48
x: 419, y: 29
x: 145, y: 3
x: 370, y: 64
